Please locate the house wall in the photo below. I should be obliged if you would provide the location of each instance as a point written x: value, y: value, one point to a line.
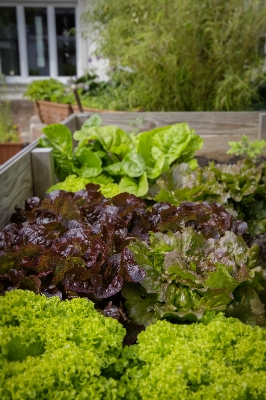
x: 84, y: 41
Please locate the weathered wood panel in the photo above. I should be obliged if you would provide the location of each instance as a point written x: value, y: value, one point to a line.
x: 216, y: 146
x: 15, y: 183
x: 262, y: 126
x: 16, y: 179
x: 204, y: 123
x: 42, y: 162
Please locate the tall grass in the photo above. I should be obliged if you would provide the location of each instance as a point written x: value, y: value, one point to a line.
x: 184, y: 54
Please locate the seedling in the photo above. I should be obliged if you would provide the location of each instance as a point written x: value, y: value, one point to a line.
x: 246, y: 148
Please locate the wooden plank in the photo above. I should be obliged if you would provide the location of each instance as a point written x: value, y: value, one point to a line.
x: 204, y: 123
x: 214, y: 145
x: 15, y: 183
x: 16, y: 177
x: 71, y: 122
x: 42, y: 162
x: 262, y: 126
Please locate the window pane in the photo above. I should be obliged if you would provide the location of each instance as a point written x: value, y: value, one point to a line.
x: 66, y: 41
x: 37, y: 41
x: 9, y: 59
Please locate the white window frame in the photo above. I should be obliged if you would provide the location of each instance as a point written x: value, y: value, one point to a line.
x: 24, y: 77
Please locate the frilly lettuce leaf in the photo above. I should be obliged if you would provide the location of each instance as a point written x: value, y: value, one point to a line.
x: 192, y: 275
x: 181, y: 184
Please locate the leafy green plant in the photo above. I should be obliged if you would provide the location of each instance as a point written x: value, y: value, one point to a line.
x: 67, y: 350
x: 192, y: 271
x: 54, y: 349
x: 73, y: 183
x: 239, y: 187
x: 247, y: 148
x: 223, y: 360
x: 49, y: 90
x: 133, y: 161
x: 183, y: 55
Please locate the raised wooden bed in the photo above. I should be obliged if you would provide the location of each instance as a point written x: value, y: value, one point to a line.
x: 52, y: 113
x: 31, y: 171
x: 8, y: 150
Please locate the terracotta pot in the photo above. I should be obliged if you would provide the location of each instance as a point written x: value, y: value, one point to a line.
x: 88, y: 109
x: 52, y: 113
x: 8, y: 150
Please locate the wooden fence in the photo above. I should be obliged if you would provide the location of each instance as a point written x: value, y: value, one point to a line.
x: 30, y: 172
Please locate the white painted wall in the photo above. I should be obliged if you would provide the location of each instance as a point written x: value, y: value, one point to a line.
x: 85, y: 41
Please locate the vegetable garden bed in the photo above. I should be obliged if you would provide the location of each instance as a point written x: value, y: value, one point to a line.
x: 17, y: 178
x: 187, y: 251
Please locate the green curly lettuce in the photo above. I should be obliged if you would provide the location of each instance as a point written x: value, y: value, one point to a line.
x: 74, y: 183
x: 223, y: 360
x: 53, y: 349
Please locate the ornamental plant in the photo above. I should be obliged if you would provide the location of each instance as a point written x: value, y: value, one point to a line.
x: 8, y: 130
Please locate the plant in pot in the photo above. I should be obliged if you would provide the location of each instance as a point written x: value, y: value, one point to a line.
x: 10, y: 142
x: 52, y: 100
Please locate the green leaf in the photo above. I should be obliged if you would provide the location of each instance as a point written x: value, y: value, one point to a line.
x: 138, y: 187
x: 133, y: 165
x: 221, y: 279
x: 60, y: 138
x: 139, y: 303
x: 114, y: 169
x: 90, y: 163
x: 172, y: 141
x: 161, y: 165
x: 112, y: 138
x: 94, y: 120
